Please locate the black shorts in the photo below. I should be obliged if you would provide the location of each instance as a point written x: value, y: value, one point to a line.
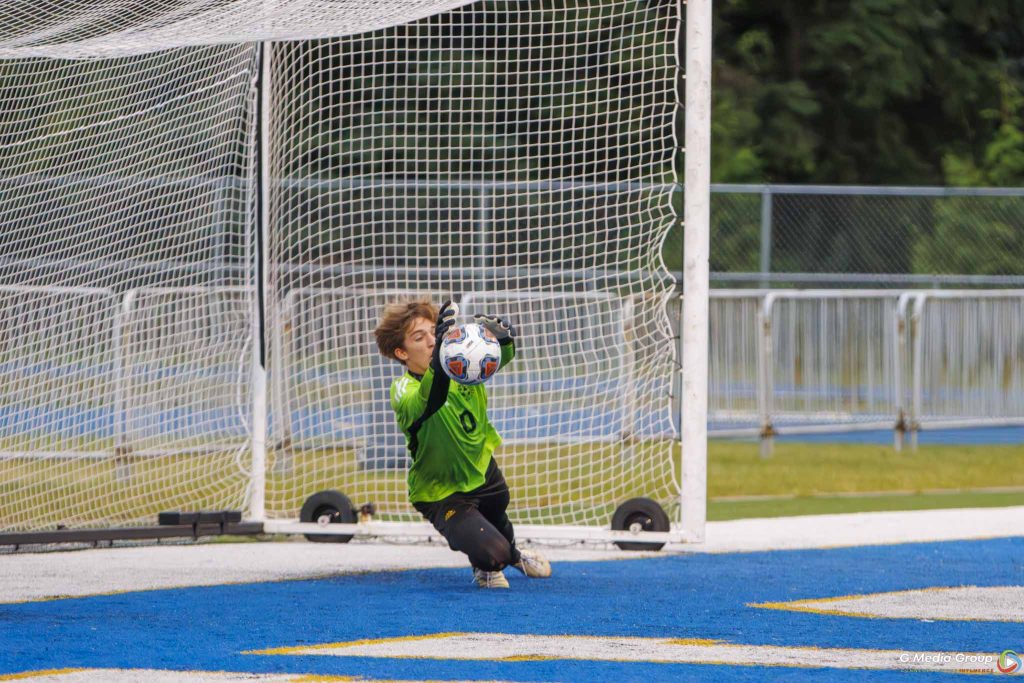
x: 475, y: 522
x: 491, y: 499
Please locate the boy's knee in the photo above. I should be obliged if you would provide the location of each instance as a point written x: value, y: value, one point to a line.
x: 492, y: 555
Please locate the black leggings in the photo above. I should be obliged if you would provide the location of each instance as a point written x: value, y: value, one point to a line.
x: 475, y: 522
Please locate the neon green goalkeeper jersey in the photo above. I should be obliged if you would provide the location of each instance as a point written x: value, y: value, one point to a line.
x: 452, y: 448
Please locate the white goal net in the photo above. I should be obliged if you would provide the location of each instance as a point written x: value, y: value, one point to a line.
x: 197, y: 189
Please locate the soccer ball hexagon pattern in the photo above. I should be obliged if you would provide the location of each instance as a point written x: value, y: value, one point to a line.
x: 470, y: 354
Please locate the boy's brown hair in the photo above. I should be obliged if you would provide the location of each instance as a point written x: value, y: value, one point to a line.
x: 395, y: 322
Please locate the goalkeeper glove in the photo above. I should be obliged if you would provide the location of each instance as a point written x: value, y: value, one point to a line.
x: 445, y: 321
x: 502, y: 330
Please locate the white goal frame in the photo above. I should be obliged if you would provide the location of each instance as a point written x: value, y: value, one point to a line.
x: 255, y: 172
x: 690, y: 528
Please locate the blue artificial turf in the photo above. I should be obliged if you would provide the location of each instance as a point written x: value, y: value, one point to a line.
x: 681, y: 596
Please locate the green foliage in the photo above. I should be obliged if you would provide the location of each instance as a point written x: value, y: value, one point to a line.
x: 734, y: 157
x: 866, y: 92
x: 888, y: 92
x: 964, y: 240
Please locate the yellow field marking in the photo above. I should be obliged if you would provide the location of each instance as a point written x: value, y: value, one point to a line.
x: 817, y: 605
x: 548, y: 658
x: 526, y: 658
x: 37, y: 674
x: 350, y: 643
x: 505, y: 647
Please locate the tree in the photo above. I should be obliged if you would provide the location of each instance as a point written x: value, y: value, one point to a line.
x: 982, y: 237
x: 862, y: 91
x: 907, y: 92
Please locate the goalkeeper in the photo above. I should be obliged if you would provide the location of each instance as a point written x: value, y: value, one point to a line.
x: 453, y: 480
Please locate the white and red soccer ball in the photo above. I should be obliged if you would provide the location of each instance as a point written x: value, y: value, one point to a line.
x: 470, y: 354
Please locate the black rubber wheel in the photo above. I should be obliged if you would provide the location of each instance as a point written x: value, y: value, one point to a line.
x: 645, y: 512
x: 328, y: 507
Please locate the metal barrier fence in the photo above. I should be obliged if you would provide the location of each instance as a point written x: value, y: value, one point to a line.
x: 80, y: 374
x: 967, y: 358
x: 820, y: 361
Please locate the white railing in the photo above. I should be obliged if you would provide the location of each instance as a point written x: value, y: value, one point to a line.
x: 324, y: 357
x: 967, y: 359
x: 859, y: 360
x: 826, y: 364
x: 58, y: 370
x: 88, y: 372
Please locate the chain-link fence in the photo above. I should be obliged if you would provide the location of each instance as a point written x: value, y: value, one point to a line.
x: 793, y: 235
x: 761, y: 235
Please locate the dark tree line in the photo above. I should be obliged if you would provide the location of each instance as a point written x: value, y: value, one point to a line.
x: 871, y: 92
x: 888, y: 92
x: 900, y: 92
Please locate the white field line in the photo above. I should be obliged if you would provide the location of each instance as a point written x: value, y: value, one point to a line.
x: 860, y: 529
x: 28, y: 577
x: 167, y: 676
x: 44, y: 576
x: 514, y: 647
x: 964, y: 603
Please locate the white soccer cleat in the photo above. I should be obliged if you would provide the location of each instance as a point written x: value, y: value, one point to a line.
x: 486, y: 579
x: 533, y: 564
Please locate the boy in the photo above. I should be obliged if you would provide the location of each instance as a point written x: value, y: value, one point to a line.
x: 453, y: 480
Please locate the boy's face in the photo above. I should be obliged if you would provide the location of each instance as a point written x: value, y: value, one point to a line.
x: 418, y: 347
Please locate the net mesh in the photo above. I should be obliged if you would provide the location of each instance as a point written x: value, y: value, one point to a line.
x: 517, y: 156
x: 125, y: 293
x: 86, y: 29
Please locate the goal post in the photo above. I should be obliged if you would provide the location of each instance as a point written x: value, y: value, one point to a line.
x: 246, y: 191
x: 693, y: 422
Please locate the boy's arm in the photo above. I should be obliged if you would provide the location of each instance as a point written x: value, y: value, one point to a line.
x: 415, y: 407
x: 406, y: 402
x: 508, y: 352
x: 433, y: 391
x: 435, y: 382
